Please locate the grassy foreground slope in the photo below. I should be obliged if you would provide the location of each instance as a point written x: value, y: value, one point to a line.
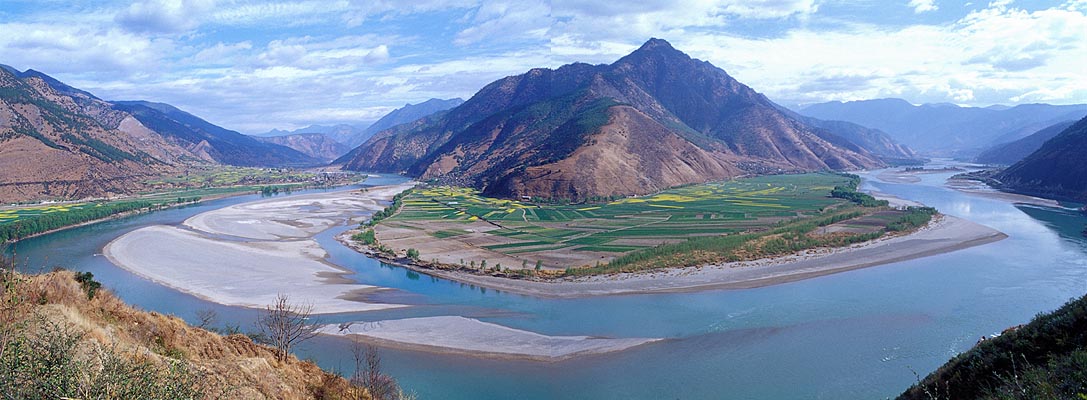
x: 60, y: 338
x: 1044, y: 359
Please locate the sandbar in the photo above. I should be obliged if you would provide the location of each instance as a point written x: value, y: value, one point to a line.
x: 276, y: 253
x: 293, y: 217
x: 460, y: 335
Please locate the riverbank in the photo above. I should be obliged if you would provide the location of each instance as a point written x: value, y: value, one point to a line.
x: 944, y: 234
x: 279, y: 255
x: 203, y: 198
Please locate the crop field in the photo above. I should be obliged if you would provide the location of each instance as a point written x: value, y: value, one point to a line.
x: 534, y: 231
x: 11, y: 215
x: 217, y: 176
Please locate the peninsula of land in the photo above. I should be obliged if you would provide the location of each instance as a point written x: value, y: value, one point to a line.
x: 944, y: 234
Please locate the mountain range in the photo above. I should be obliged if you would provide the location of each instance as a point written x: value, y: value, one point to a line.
x: 60, y: 142
x: 352, y: 136
x: 330, y: 142
x: 1056, y: 170
x: 947, y: 129
x: 1011, y: 152
x: 655, y: 118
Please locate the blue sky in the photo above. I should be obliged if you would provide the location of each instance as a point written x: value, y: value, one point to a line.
x: 255, y: 65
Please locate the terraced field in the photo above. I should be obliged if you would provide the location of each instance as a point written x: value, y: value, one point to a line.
x: 560, y: 236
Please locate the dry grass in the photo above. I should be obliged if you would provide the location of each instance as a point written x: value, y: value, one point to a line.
x: 231, y: 367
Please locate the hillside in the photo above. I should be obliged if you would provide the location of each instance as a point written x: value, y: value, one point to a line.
x: 70, y: 144
x: 652, y: 120
x: 209, y: 140
x: 856, y: 136
x: 59, y: 142
x: 1054, y: 170
x: 1044, y: 359
x: 73, y: 340
x: 408, y: 113
x: 947, y: 129
x: 315, y: 145
x: 1012, y: 152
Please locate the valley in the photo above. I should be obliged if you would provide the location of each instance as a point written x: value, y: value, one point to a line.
x: 543, y: 200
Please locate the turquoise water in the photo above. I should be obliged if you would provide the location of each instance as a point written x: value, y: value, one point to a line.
x: 856, y: 335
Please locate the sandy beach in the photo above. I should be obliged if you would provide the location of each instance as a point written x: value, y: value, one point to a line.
x: 279, y: 256
x: 460, y: 335
x: 945, y: 234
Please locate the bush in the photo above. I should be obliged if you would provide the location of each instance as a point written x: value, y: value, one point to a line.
x: 47, y: 365
x: 87, y: 282
x: 366, y: 236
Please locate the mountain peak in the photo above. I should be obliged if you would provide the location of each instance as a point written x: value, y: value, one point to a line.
x: 656, y: 44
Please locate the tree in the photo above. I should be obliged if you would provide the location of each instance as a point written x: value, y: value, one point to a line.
x: 284, y: 325
x: 413, y: 254
x: 207, y: 317
x: 368, y: 373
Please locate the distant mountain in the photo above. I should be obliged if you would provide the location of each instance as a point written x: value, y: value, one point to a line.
x: 1010, y: 153
x: 209, y: 140
x: 354, y: 135
x: 316, y: 145
x: 947, y: 129
x: 875, y: 141
x: 1057, y: 169
x: 341, y: 133
x: 408, y: 113
x: 653, y: 119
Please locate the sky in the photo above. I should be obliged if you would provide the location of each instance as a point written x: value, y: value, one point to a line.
x: 254, y: 66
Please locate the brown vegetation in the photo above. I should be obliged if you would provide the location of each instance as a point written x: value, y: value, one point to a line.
x: 160, y: 349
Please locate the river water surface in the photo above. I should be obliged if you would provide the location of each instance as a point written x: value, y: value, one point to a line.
x: 861, y: 334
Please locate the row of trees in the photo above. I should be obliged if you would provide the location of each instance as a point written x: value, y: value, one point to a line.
x: 32, y: 225
x: 398, y: 200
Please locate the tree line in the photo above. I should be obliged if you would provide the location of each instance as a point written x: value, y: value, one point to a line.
x: 35, y: 224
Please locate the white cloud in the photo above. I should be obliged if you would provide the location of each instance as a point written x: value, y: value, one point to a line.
x: 920, y: 6
x: 498, y: 21
x: 164, y: 16
x: 254, y: 66
x: 378, y: 54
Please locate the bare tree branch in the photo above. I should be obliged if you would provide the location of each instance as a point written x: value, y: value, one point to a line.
x: 285, y: 325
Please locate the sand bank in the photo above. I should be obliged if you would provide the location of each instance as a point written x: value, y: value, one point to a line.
x: 981, y: 189
x: 279, y: 256
x: 247, y: 274
x: 293, y: 217
x: 945, y: 234
x: 460, y: 335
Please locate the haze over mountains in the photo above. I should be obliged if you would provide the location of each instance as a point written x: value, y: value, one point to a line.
x: 344, y: 137
x: 653, y: 119
x: 947, y: 129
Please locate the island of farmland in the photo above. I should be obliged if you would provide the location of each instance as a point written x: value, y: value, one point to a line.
x: 449, y: 227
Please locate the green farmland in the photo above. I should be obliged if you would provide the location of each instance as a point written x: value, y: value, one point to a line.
x: 588, y: 234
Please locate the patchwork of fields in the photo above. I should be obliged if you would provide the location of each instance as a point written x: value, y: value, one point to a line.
x: 519, y: 234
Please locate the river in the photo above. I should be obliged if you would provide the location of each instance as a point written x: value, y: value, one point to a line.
x: 861, y: 334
